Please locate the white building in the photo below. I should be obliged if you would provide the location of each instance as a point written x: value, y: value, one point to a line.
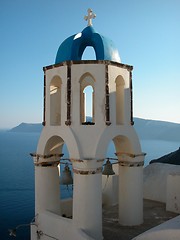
x: 65, y: 122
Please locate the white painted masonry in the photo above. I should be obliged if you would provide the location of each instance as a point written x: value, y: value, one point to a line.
x: 87, y: 145
x: 161, y: 183
x: 169, y: 230
x: 156, y: 180
x: 173, y: 193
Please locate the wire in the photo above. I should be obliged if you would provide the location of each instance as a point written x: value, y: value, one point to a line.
x: 105, y: 183
x: 41, y: 233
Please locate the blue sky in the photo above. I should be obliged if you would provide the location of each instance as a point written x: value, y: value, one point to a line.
x: 146, y: 33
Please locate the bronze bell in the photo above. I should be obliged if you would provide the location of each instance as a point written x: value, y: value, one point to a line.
x: 108, y: 170
x: 66, y: 178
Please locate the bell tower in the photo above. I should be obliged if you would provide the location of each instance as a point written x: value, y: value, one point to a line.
x: 66, y: 122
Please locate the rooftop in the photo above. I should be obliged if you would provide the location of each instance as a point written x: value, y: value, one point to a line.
x: 72, y: 48
x: 154, y: 214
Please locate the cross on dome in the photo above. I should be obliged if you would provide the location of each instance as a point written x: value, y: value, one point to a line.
x: 90, y: 16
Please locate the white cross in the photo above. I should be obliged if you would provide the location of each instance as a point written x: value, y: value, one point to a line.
x: 90, y: 16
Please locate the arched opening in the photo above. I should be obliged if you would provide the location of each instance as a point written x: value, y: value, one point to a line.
x: 110, y: 182
x: 87, y: 104
x: 122, y: 144
x: 119, y: 145
x: 119, y: 100
x: 56, y: 146
x: 55, y: 101
x: 89, y: 54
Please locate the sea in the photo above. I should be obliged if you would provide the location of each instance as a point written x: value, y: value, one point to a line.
x: 17, y: 177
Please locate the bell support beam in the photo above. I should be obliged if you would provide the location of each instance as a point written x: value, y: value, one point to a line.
x: 87, y: 197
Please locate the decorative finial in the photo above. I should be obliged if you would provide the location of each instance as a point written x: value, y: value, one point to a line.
x: 89, y: 17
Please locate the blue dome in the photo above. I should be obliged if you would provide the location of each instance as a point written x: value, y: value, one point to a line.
x: 73, y: 47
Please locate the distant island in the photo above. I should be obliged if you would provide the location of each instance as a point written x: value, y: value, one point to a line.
x: 159, y: 130
x: 146, y: 129
x: 27, y: 127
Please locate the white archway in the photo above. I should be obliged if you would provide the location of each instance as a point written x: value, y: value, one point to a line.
x: 87, y: 99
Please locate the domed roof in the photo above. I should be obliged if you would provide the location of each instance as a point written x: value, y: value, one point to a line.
x: 73, y: 47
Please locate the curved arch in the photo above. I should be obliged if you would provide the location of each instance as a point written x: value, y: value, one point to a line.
x: 52, y: 142
x: 55, y: 101
x: 122, y: 144
x: 54, y: 145
x: 89, y: 53
x: 124, y: 141
x: 56, y: 81
x: 120, y: 83
x: 85, y: 81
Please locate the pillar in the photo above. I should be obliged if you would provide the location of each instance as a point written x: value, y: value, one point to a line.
x: 131, y: 193
x: 47, y: 189
x: 87, y: 197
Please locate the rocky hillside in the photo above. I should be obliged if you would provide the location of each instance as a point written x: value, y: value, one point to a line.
x: 146, y: 129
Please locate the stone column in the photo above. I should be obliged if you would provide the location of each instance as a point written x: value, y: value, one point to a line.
x: 87, y: 197
x: 130, y: 192
x: 47, y: 189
